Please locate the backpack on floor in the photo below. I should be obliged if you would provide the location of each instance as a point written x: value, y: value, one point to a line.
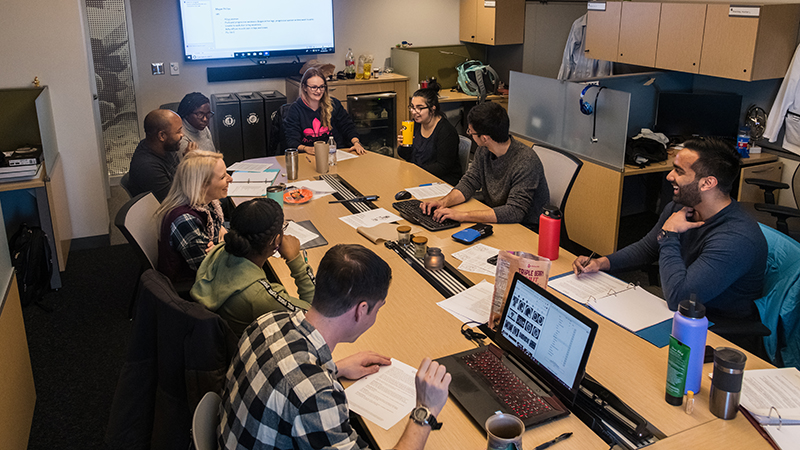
x: 32, y: 259
x: 477, y: 78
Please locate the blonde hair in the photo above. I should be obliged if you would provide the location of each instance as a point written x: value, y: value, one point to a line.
x: 192, y: 178
x: 325, y: 103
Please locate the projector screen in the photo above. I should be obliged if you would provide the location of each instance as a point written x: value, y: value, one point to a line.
x: 219, y: 29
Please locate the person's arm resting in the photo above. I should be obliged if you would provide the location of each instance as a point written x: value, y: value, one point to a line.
x: 189, y: 240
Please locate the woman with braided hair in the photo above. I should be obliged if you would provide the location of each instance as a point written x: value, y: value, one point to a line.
x: 195, y: 111
x: 191, y: 216
x: 231, y: 280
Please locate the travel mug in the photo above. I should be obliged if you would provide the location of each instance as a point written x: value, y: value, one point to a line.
x: 549, y: 232
x: 321, y: 156
x: 726, y: 386
x: 291, y: 163
x: 276, y: 193
x: 408, y: 134
x: 503, y: 430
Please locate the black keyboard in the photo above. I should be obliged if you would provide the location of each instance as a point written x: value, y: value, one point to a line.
x: 411, y: 211
x: 512, y: 391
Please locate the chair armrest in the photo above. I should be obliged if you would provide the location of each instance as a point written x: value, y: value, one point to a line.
x: 777, y: 210
x: 764, y: 184
x: 733, y: 327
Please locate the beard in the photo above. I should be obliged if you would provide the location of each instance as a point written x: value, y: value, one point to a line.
x: 172, y: 147
x: 689, y: 194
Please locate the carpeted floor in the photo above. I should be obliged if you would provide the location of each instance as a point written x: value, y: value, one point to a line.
x: 78, y: 349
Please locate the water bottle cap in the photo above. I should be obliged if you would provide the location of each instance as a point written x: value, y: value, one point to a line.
x: 551, y: 211
x: 692, y: 309
x: 729, y: 358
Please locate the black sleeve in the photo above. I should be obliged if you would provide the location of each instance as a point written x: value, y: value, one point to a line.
x: 342, y: 124
x: 445, y: 150
x: 405, y: 152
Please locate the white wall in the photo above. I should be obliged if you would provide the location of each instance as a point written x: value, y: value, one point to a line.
x: 368, y: 26
x: 47, y: 39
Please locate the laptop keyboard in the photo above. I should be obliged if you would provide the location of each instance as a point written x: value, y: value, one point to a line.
x: 411, y: 211
x: 521, y: 400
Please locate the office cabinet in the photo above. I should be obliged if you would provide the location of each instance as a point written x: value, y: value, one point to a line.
x: 749, y: 48
x: 492, y: 22
x: 638, y: 33
x: 602, y: 32
x: 680, y: 36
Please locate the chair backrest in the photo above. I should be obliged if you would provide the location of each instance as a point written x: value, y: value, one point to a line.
x: 277, y: 143
x: 205, y: 422
x: 796, y: 186
x: 171, y: 106
x: 780, y: 306
x: 137, y: 222
x: 125, y: 183
x: 464, y: 147
x: 560, y: 169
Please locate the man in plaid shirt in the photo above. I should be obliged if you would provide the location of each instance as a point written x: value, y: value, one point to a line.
x: 282, y: 389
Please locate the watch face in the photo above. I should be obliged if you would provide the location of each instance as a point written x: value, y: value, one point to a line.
x: 421, y: 414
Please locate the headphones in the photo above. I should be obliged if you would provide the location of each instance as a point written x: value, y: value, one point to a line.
x: 586, y: 107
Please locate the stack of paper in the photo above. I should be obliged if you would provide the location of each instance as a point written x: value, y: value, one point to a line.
x: 370, y: 218
x: 768, y: 393
x: 472, y: 305
x: 473, y: 259
x: 386, y: 397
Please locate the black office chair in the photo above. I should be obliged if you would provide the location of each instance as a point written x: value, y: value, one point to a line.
x: 278, y: 141
x: 777, y: 216
x: 560, y: 169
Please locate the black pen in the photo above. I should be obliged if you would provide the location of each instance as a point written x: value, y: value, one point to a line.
x: 554, y: 441
x: 363, y: 198
x: 586, y: 263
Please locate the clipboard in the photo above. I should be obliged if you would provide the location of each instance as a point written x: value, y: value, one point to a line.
x: 318, y: 242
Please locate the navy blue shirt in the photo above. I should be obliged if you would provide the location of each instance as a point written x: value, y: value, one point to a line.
x: 722, y: 262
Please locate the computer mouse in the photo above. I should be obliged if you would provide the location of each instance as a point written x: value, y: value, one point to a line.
x: 402, y: 195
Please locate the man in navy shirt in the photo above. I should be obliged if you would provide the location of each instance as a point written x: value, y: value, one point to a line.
x: 704, y: 243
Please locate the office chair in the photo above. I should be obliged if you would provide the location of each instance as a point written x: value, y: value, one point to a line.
x: 172, y: 106
x: 560, y: 169
x: 125, y: 183
x: 780, y: 215
x: 278, y: 141
x: 464, y: 149
x: 137, y: 223
x: 205, y: 422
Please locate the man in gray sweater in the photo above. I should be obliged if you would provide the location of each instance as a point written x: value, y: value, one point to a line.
x: 509, y: 172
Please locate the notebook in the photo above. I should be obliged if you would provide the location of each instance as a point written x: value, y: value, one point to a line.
x: 542, y: 347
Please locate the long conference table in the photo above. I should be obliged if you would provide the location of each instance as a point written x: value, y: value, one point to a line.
x: 411, y: 326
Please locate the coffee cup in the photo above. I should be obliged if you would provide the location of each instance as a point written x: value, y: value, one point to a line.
x: 321, y: 156
x: 408, y: 133
x: 276, y: 193
x: 504, y: 430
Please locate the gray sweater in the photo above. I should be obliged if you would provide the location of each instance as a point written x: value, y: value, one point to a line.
x: 513, y: 184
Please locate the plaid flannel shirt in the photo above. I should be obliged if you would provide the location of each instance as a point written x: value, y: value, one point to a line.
x: 281, y: 390
x: 187, y: 235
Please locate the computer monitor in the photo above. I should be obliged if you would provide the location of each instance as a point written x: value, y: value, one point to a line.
x: 687, y: 114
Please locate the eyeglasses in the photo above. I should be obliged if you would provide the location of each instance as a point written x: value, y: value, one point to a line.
x: 418, y: 109
x: 202, y: 115
x: 316, y: 88
x: 471, y: 133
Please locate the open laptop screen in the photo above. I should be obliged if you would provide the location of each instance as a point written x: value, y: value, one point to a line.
x: 546, y: 332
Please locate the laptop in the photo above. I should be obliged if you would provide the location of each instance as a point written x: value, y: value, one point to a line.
x: 538, y: 362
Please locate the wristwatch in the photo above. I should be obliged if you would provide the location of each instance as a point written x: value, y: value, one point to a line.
x: 663, y: 234
x: 423, y: 416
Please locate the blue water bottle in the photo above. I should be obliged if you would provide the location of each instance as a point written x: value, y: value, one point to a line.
x: 687, y: 350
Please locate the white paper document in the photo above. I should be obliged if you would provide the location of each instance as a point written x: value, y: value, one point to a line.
x: 319, y: 187
x: 474, y: 259
x: 767, y: 388
x: 302, y: 234
x: 434, y: 190
x: 247, y: 189
x: 474, y: 304
x: 370, y: 218
x: 253, y: 177
x: 342, y: 155
x: 631, y: 307
x: 249, y: 167
x: 386, y: 397
x: 786, y: 437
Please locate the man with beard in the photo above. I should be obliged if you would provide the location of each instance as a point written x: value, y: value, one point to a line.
x: 704, y: 243
x: 156, y: 157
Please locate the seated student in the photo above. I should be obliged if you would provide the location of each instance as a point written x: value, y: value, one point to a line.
x: 156, y: 157
x: 435, y: 146
x: 191, y: 217
x: 231, y: 279
x: 195, y: 111
x: 704, y: 243
x: 315, y: 116
x: 509, y: 172
x: 282, y: 389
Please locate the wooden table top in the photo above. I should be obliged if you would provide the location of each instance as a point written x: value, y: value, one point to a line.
x: 411, y: 326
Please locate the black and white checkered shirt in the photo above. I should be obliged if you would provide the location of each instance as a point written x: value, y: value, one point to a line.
x: 281, y: 390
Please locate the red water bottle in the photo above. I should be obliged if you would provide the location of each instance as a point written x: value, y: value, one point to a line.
x: 549, y: 232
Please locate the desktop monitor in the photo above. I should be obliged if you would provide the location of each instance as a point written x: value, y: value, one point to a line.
x: 687, y: 114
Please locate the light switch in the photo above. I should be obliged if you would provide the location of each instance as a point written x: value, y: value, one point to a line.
x: 157, y: 68
x: 174, y: 69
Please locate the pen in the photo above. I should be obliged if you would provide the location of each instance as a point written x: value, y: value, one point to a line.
x: 305, y: 255
x: 308, y: 159
x: 586, y: 263
x: 427, y: 184
x: 554, y: 441
x: 363, y: 198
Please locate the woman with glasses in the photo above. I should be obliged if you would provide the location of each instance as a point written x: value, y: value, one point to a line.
x: 231, y: 280
x: 195, y: 110
x: 191, y: 216
x: 435, y: 146
x: 315, y: 116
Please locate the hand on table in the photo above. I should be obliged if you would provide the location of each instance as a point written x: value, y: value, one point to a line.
x: 357, y: 149
x: 429, y: 207
x: 441, y: 214
x: 361, y: 364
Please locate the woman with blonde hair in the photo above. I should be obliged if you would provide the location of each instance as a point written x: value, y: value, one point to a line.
x: 316, y: 116
x: 190, y: 216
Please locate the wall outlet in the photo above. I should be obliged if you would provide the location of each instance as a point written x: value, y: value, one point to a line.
x: 157, y: 68
x: 174, y: 69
